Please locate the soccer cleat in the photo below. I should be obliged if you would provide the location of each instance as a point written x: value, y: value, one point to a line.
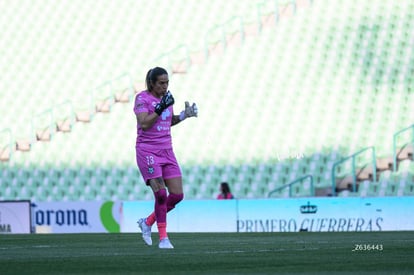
x: 146, y: 231
x: 165, y: 244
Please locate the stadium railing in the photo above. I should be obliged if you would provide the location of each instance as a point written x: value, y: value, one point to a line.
x: 353, y: 167
x: 406, y: 151
x: 42, y: 126
x: 297, y: 181
x: 62, y: 116
x: 7, y: 148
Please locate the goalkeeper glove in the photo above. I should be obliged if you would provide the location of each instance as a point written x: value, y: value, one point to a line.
x: 166, y: 101
x: 189, y: 111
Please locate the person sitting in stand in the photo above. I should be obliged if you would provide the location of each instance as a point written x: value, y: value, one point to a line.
x: 225, y: 193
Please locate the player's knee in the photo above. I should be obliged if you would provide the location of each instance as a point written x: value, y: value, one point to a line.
x: 161, y: 196
x: 180, y: 197
x: 174, y: 199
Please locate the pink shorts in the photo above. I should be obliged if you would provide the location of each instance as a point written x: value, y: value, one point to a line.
x: 157, y: 163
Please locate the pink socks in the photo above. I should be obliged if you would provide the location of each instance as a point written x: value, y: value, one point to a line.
x: 161, y: 205
x: 161, y: 212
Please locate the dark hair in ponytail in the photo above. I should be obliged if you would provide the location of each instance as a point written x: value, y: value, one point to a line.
x: 225, y: 188
x: 152, y: 76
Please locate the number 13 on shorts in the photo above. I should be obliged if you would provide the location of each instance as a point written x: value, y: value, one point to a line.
x: 150, y: 160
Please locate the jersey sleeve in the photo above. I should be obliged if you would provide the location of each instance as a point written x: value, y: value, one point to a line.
x: 140, y: 105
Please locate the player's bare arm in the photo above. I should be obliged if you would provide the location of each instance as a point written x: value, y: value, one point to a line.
x: 175, y: 120
x: 146, y: 120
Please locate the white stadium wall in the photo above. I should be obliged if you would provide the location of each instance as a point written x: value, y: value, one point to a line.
x: 15, y: 217
x: 281, y: 215
x: 255, y: 215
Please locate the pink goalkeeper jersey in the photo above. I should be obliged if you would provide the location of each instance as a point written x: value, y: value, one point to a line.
x: 159, y: 135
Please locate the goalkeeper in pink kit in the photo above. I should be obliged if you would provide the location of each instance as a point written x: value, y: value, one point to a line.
x: 154, y: 154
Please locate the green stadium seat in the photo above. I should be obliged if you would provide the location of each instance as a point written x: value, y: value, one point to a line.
x: 374, y: 189
x: 409, y: 189
x: 392, y: 188
x: 363, y: 188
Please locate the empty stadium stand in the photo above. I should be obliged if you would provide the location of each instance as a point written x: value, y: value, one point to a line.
x: 285, y: 89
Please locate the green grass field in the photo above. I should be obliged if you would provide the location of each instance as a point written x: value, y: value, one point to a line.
x: 209, y: 253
